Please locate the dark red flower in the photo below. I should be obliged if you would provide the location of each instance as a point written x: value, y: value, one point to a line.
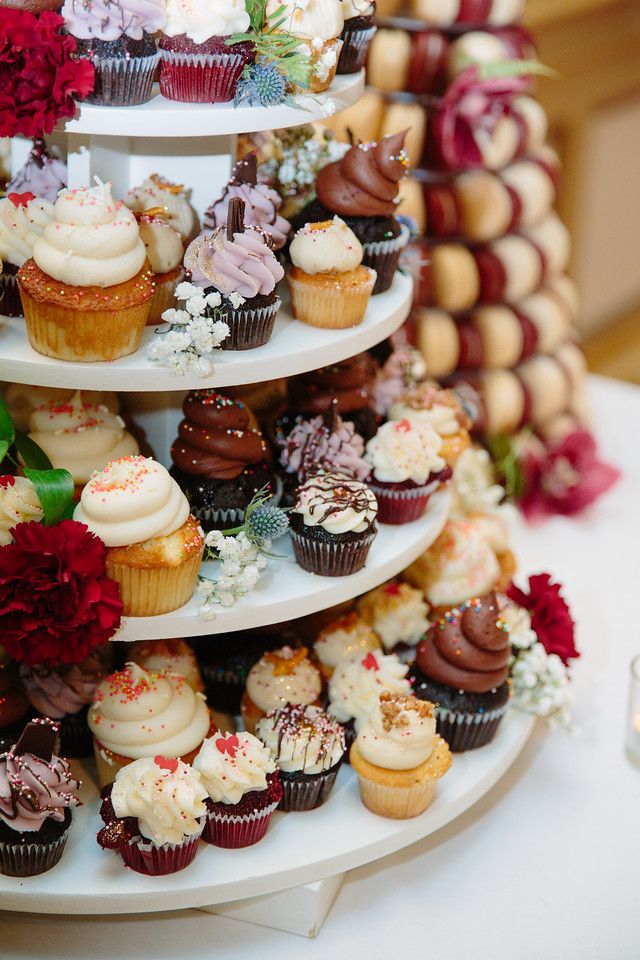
x: 56, y: 602
x: 38, y: 77
x: 550, y: 616
x: 564, y: 477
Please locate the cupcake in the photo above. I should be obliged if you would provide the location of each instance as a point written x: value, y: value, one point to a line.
x: 18, y: 504
x: 172, y: 199
x: 357, y: 684
x: 407, y: 468
x: 44, y: 174
x: 154, y: 546
x: 220, y: 461
x: 237, y: 264
x: 357, y: 34
x: 333, y: 524
x: 117, y: 38
x: 399, y: 758
x: 22, y: 399
x: 23, y: 219
x: 343, y: 640
x: 398, y: 614
x: 262, y: 203
x: 362, y: 188
x: 37, y: 795
x: 154, y: 814
x: 318, y: 25
x: 243, y: 789
x: 324, y: 444
x: 278, y: 678
x: 64, y: 694
x: 80, y: 437
x: 137, y: 714
x: 92, y: 306
x: 462, y: 666
x: 329, y: 286
x: 164, y: 250
x: 441, y: 409
x: 402, y: 370
x: 225, y: 662
x: 167, y: 656
x: 308, y: 747
x: 197, y: 65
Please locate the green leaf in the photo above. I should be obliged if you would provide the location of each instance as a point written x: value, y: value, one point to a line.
x: 7, y: 428
x: 514, y: 68
x: 4, y: 447
x: 55, y: 492
x: 32, y: 455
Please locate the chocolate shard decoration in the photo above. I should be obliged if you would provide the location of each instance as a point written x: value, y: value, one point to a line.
x: 38, y: 738
x: 330, y: 418
x: 235, y: 217
x: 246, y: 170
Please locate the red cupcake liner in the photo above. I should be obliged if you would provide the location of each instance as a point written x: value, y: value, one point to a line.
x: 230, y: 831
x: 145, y: 857
x: 201, y: 77
x: 402, y: 506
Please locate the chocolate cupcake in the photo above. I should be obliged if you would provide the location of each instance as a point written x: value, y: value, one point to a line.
x: 117, y: 38
x: 220, y: 461
x: 333, y: 524
x: 462, y: 666
x: 358, y: 32
x: 362, y: 188
x: 37, y: 794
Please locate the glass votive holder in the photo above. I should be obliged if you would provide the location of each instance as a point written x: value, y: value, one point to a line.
x: 633, y: 715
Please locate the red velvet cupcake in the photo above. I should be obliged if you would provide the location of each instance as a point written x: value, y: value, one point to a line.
x: 243, y: 786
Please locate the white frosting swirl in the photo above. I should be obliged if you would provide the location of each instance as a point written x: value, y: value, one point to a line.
x: 168, y: 656
x: 169, y: 804
x: 201, y: 21
x: 163, y: 245
x: 80, y: 437
x: 302, y: 738
x: 349, y: 638
x: 442, y: 418
x: 93, y: 240
x: 357, y: 8
x: 474, y: 487
x: 311, y: 19
x: 22, y: 398
x: 397, y: 612
x: 355, y: 687
x: 18, y: 504
x: 232, y: 766
x: 284, y: 676
x: 171, y: 197
x: 405, y: 450
x: 398, y: 734
x: 132, y: 500
x: 324, y: 247
x: 20, y: 227
x: 139, y: 714
x: 336, y: 503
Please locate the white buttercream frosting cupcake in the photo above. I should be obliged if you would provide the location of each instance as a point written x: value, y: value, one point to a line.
x: 356, y: 686
x: 173, y: 201
x: 278, y: 678
x: 397, y: 613
x: 399, y: 733
x: 18, y: 504
x: 229, y: 771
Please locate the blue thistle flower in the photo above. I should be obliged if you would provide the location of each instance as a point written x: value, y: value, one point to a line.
x: 262, y: 84
x: 267, y: 523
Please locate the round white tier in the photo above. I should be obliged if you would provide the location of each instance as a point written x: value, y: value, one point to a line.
x: 294, y: 348
x: 299, y: 847
x: 169, y: 118
x: 287, y: 591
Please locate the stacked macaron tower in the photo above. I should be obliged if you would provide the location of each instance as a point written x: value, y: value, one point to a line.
x: 493, y: 305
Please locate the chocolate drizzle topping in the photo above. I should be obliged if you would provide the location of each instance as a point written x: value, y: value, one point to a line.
x: 333, y: 493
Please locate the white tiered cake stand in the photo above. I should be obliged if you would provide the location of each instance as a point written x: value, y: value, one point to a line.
x: 290, y: 879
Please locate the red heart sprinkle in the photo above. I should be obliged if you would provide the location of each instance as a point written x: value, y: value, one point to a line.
x: 7, y: 481
x: 403, y: 426
x: 370, y: 662
x: 21, y: 199
x: 170, y: 764
x: 230, y: 745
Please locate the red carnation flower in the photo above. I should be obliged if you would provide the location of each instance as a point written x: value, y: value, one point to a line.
x: 56, y: 602
x: 38, y: 77
x: 550, y: 616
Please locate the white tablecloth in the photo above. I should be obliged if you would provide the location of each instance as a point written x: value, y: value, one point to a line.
x: 543, y: 866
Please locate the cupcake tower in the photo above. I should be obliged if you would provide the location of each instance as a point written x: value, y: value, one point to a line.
x: 493, y: 306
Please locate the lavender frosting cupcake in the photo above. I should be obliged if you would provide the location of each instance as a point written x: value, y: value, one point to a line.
x: 44, y: 174
x: 117, y: 37
x: 262, y: 203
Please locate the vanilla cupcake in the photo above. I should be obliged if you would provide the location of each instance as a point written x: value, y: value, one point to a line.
x: 80, y: 437
x: 163, y: 245
x: 357, y: 684
x: 137, y: 714
x: 23, y: 218
x: 154, y: 546
x: 171, y: 198
x: 168, y: 656
x: 443, y: 411
x: 278, y: 678
x: 397, y: 613
x: 328, y: 284
x: 87, y: 289
x: 348, y: 638
x: 18, y: 504
x: 399, y: 758
x: 22, y: 399
x: 318, y: 24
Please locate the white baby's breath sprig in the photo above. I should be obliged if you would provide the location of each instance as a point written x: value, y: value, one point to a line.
x: 241, y: 567
x: 195, y: 331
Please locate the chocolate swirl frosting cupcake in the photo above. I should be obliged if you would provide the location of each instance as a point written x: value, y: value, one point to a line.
x: 364, y: 183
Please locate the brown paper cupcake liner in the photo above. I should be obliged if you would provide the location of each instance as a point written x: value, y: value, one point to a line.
x: 200, y: 78
x: 30, y: 859
x: 383, y: 256
x: 330, y: 307
x: 468, y: 731
x: 150, y: 592
x: 123, y: 81
x: 249, y: 328
x: 355, y: 48
x: 210, y: 519
x: 306, y: 791
x: 339, y: 558
x: 10, y: 300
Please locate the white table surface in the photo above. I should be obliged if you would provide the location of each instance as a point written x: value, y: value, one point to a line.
x: 542, y: 867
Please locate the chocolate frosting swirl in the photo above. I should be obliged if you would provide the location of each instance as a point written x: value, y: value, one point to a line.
x: 214, y: 439
x: 348, y: 383
x: 364, y: 183
x: 468, y: 648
